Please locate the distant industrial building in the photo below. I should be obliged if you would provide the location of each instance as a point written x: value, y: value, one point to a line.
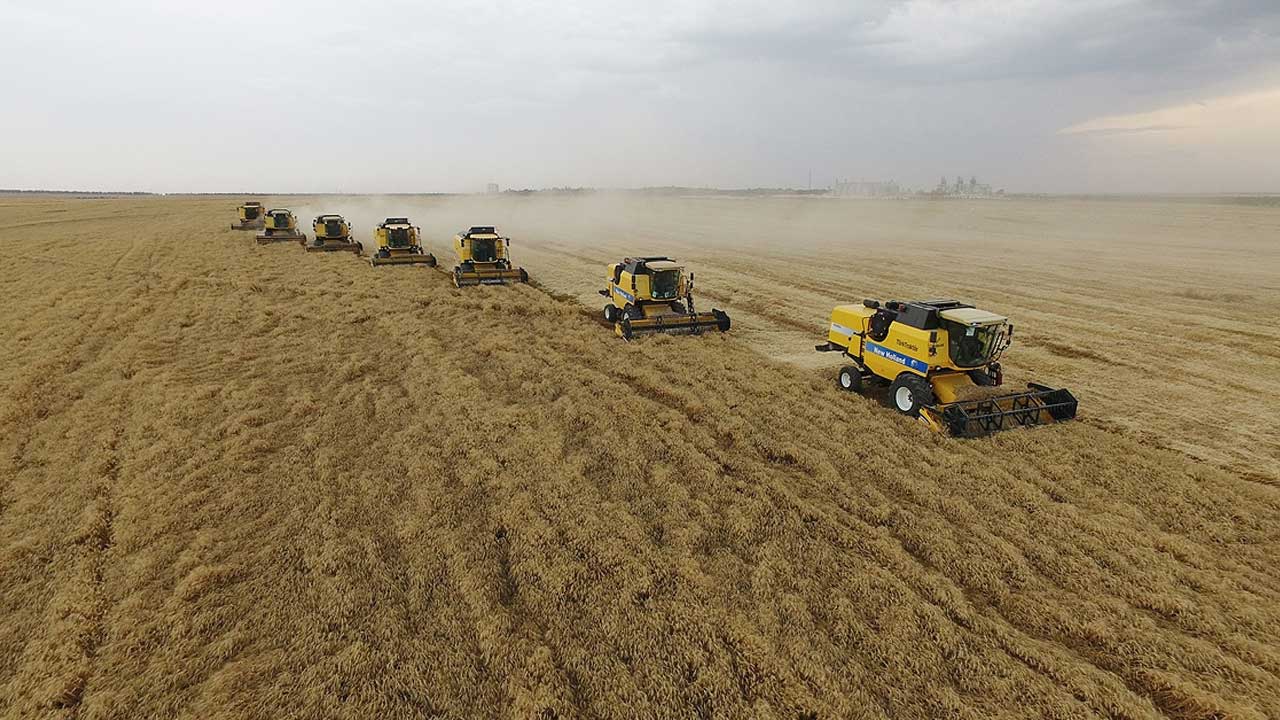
x: 862, y: 188
x: 492, y: 188
x: 963, y: 188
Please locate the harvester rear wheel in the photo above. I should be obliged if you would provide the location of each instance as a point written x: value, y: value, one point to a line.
x: 850, y: 378
x: 909, y: 393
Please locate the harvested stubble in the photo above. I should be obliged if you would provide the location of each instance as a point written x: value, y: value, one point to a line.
x: 243, y: 481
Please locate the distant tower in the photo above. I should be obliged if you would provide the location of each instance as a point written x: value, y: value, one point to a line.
x: 959, y: 184
x: 942, y: 184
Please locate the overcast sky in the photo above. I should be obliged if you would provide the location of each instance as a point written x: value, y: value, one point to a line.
x: 392, y: 96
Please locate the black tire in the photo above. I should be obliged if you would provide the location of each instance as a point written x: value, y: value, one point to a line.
x: 610, y: 313
x: 626, y: 328
x: 722, y: 320
x: 631, y: 312
x: 850, y: 378
x: 910, y: 392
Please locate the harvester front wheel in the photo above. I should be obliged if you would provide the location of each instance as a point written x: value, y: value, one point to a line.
x: 850, y: 379
x: 610, y: 313
x: 909, y: 393
x: 722, y: 320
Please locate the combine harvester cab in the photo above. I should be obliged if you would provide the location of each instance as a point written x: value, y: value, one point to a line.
x: 250, y: 216
x: 280, y: 226
x: 941, y: 360
x: 332, y: 234
x: 653, y: 294
x: 397, y: 242
x: 484, y: 258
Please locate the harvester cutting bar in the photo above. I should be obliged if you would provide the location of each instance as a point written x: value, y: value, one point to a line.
x: 280, y: 237
x: 1041, y: 405
x: 403, y: 259
x: 489, y: 276
x: 673, y: 323
x: 328, y: 245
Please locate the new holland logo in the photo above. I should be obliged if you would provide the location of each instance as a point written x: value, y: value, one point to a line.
x: 624, y: 293
x: 899, y: 358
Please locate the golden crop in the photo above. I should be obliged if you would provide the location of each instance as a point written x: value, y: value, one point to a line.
x: 241, y: 481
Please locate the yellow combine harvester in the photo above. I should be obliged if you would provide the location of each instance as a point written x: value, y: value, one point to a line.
x: 941, y: 358
x: 333, y: 233
x: 484, y: 258
x: 645, y: 295
x: 399, y: 243
x: 250, y: 216
x: 280, y: 226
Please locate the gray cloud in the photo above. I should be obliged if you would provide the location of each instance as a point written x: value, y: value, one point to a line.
x: 1127, y: 130
x: 401, y: 96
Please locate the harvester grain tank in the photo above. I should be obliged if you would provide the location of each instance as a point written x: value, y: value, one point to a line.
x: 653, y: 294
x: 332, y: 233
x: 398, y: 242
x: 484, y: 258
x: 250, y: 215
x: 941, y: 359
x: 280, y: 226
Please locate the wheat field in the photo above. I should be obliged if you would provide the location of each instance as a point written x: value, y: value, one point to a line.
x: 250, y: 482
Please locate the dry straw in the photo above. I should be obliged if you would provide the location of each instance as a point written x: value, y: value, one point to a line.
x: 241, y: 481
